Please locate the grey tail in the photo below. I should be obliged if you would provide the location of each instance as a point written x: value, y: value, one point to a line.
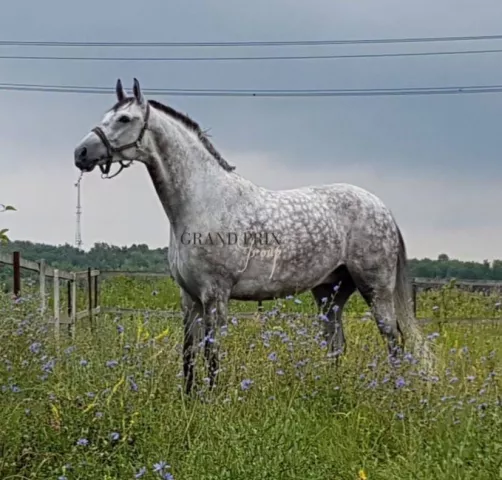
x: 406, y: 320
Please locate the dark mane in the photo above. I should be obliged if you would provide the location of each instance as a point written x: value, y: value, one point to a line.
x: 187, y: 122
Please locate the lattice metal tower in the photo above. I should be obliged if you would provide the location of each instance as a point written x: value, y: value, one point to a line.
x: 78, y: 232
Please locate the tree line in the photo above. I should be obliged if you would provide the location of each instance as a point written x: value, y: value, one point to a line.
x: 140, y: 257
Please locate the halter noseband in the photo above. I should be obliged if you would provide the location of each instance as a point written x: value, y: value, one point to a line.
x: 110, y: 149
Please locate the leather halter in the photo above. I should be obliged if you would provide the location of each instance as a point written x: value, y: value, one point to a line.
x: 111, y: 150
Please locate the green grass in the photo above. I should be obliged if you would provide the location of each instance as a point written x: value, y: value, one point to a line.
x: 301, y: 417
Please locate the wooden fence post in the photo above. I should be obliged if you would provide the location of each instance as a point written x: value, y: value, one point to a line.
x: 260, y: 305
x: 72, y: 308
x: 69, y: 301
x: 56, y: 303
x: 17, y: 274
x: 414, y: 298
x: 73, y: 317
x: 89, y: 289
x: 96, y: 291
x: 43, y: 301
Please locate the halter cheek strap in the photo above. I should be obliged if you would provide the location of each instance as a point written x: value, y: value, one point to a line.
x: 111, y: 150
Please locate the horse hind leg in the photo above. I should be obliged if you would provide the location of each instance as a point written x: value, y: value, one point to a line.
x: 381, y: 302
x: 331, y: 299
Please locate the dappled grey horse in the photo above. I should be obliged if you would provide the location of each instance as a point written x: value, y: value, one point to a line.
x: 231, y: 239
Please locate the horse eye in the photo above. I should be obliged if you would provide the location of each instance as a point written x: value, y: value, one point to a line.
x: 124, y: 119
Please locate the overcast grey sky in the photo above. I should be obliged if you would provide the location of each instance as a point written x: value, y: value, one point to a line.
x: 434, y: 160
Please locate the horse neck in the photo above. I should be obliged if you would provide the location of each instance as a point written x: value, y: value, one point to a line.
x: 185, y: 175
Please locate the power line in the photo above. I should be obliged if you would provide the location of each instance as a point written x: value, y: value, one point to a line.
x: 259, y: 92
x: 40, y: 43
x: 245, y: 58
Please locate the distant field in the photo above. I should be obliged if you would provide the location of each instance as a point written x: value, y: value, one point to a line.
x: 110, y: 406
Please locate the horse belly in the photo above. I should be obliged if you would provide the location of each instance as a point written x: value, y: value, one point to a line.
x: 267, y: 285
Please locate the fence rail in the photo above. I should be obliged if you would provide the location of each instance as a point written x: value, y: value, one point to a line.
x: 47, y: 271
x: 132, y: 273
x: 421, y: 282
x: 433, y: 282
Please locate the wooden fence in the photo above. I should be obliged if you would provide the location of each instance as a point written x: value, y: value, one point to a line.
x: 71, y: 278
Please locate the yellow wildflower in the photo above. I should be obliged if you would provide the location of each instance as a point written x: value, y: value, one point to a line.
x: 362, y: 475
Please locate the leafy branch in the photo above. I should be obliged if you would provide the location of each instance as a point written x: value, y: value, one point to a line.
x: 3, y: 232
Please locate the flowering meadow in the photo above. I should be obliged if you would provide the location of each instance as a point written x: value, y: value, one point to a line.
x: 109, y: 403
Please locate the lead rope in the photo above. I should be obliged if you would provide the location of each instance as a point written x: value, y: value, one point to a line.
x: 78, y: 232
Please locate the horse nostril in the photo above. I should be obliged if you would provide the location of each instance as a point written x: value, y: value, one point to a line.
x: 83, y: 153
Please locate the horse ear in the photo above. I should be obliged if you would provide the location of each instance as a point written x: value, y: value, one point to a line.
x: 119, y: 90
x: 137, y: 92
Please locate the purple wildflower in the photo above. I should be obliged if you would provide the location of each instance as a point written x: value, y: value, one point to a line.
x: 140, y: 473
x: 134, y: 386
x: 49, y: 366
x: 246, y: 384
x: 35, y: 347
x: 410, y: 359
x: 82, y: 442
x: 433, y: 336
x: 158, y: 467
